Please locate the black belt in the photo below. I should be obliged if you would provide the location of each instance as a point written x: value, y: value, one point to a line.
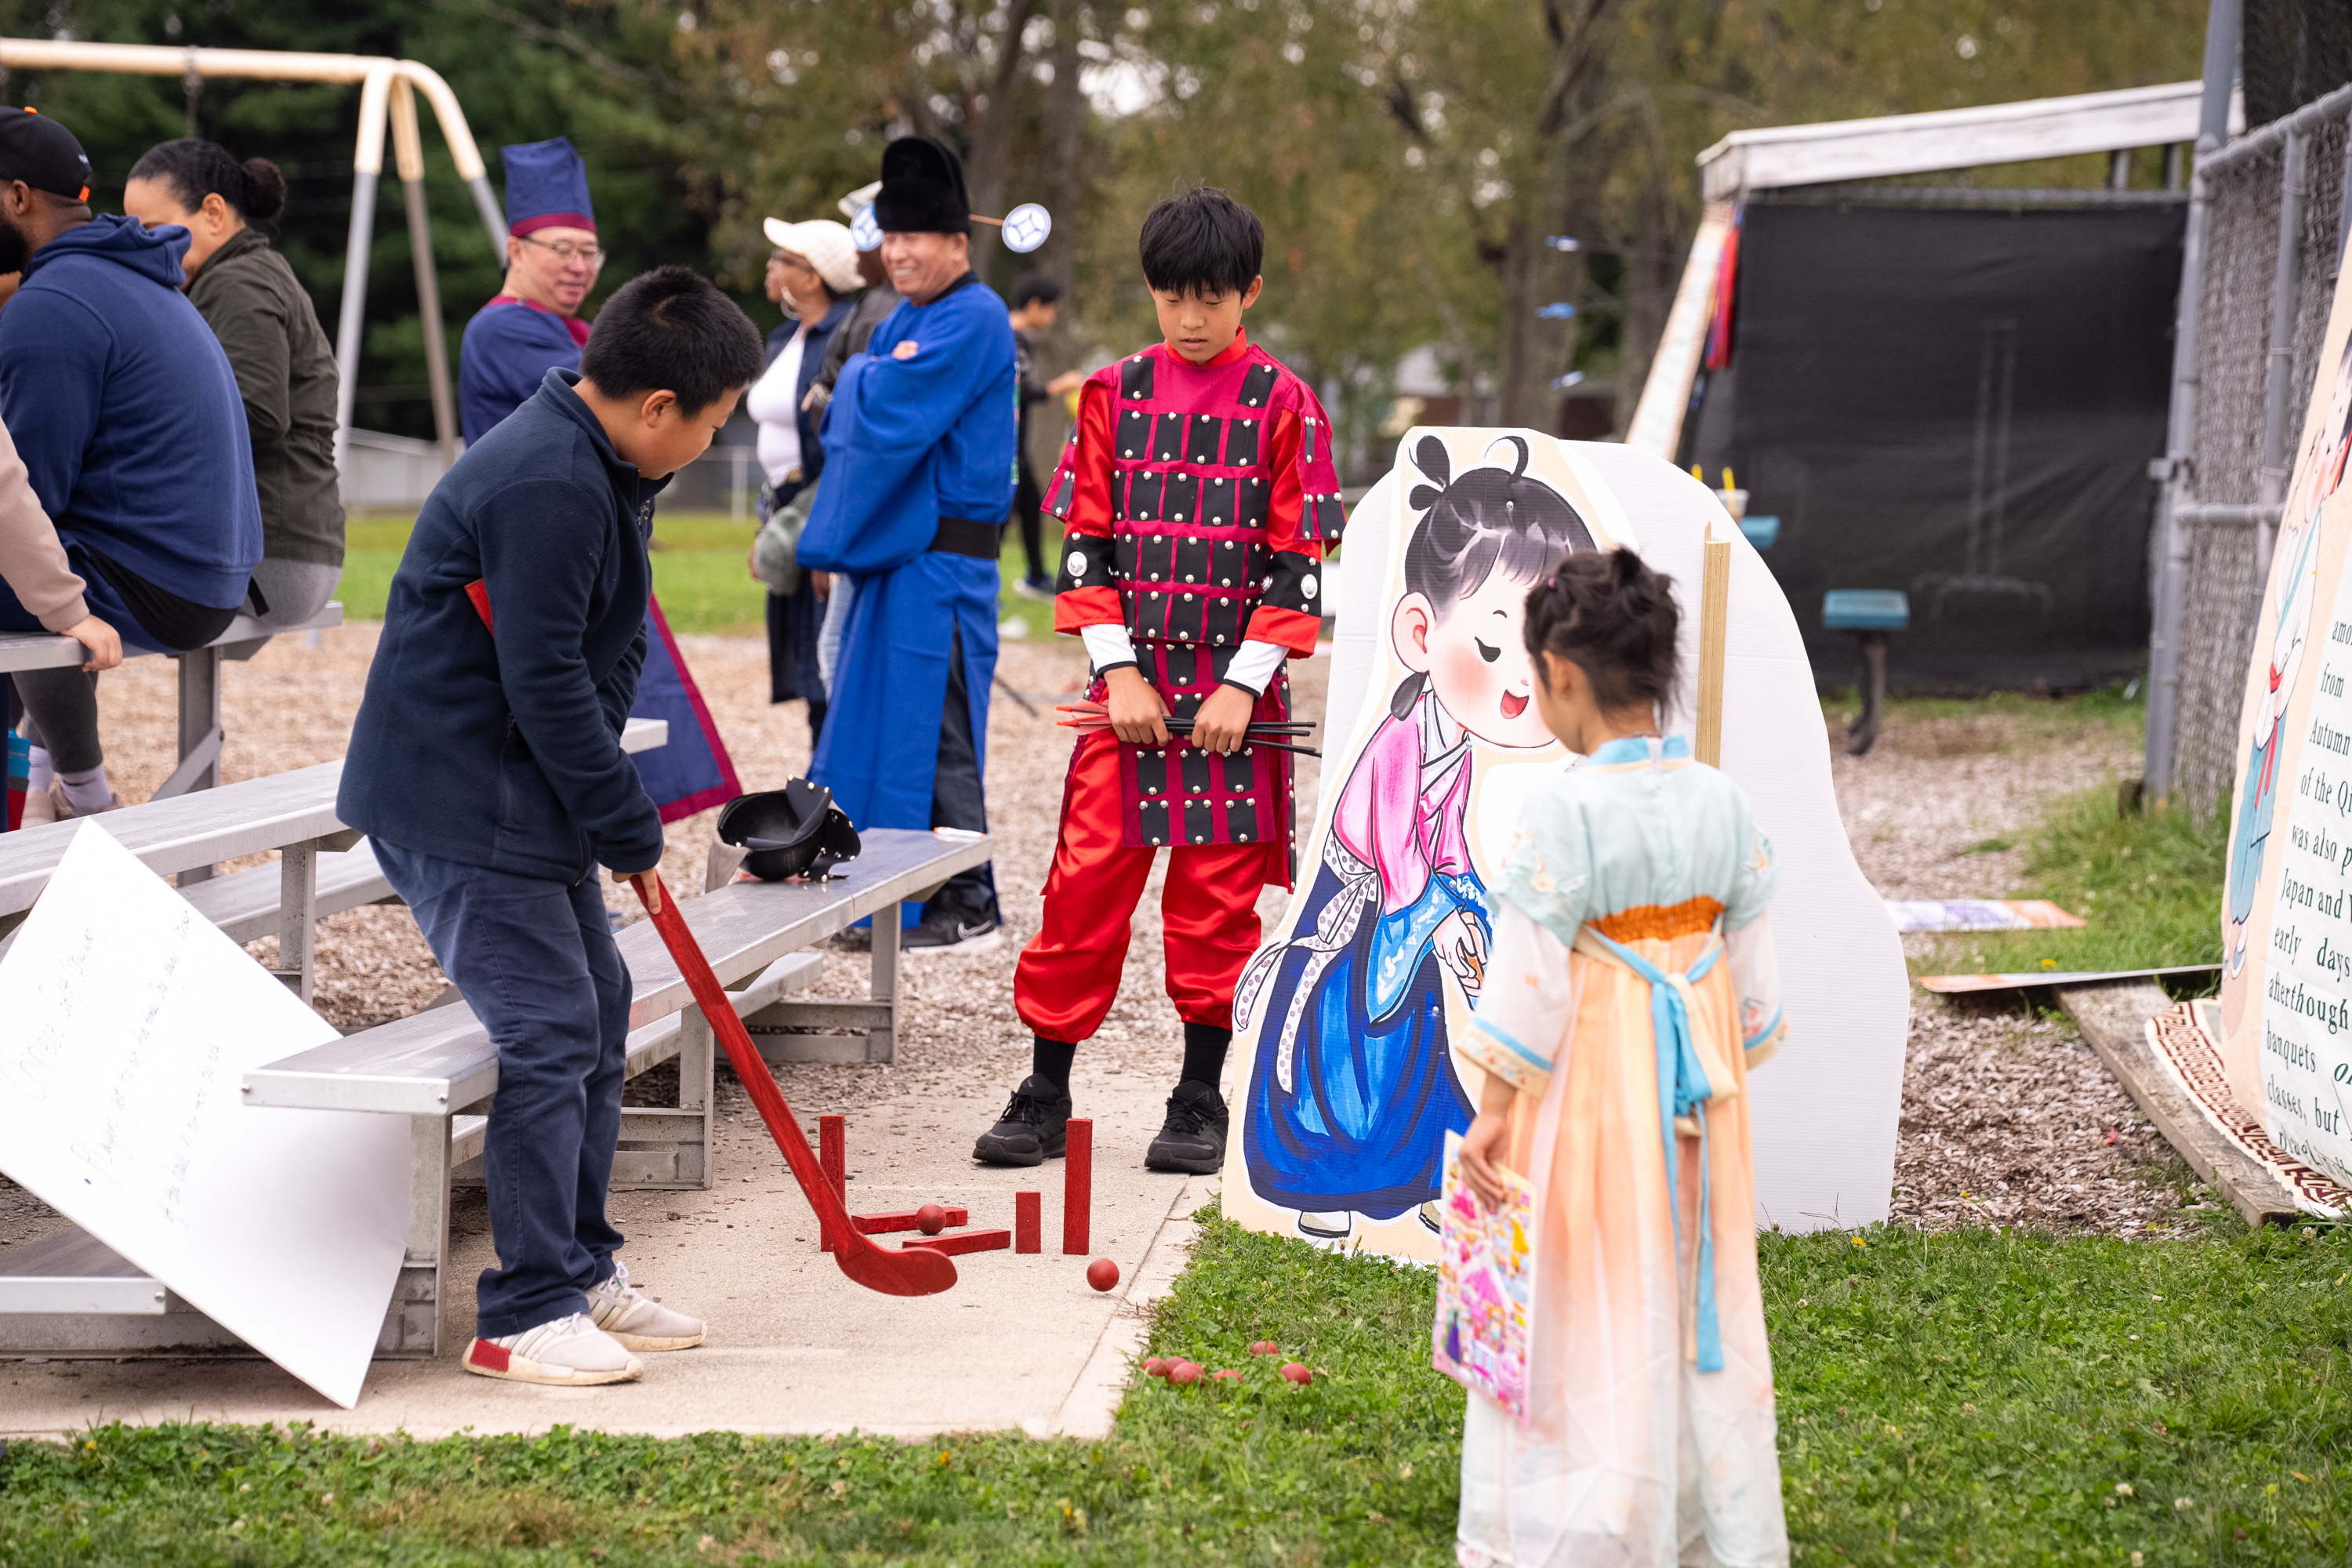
x: 963, y: 536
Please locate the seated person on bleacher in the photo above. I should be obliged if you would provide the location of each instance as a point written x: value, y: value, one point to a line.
x: 132, y: 434
x: 490, y: 777
x: 33, y: 570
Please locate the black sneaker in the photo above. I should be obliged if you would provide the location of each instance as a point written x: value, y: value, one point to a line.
x: 948, y: 931
x: 1193, y: 1138
x: 1034, y: 1127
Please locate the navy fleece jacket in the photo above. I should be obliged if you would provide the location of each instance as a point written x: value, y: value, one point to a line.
x: 503, y: 751
x: 127, y: 414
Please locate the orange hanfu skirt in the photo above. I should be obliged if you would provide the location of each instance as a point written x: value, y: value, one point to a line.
x: 1631, y: 1455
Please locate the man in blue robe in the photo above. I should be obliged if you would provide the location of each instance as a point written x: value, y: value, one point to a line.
x: 532, y: 326
x: 918, y: 450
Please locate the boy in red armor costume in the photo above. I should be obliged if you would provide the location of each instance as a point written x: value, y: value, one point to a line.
x: 1196, y: 494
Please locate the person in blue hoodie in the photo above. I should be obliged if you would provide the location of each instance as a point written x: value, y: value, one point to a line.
x: 513, y: 638
x: 132, y: 428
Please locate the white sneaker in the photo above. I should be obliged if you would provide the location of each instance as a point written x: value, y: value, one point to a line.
x: 569, y: 1350
x: 636, y: 1321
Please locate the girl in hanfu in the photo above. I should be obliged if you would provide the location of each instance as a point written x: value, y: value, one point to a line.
x: 2320, y: 473
x: 1353, y: 1090
x: 1633, y: 986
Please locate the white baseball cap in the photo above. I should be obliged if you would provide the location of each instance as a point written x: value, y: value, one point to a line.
x: 824, y: 245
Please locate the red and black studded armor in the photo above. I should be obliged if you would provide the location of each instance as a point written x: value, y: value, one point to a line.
x: 1196, y: 500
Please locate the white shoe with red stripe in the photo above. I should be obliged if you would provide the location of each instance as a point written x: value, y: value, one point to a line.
x: 568, y: 1351
x: 635, y: 1321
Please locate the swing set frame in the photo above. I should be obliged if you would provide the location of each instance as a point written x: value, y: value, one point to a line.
x: 388, y: 93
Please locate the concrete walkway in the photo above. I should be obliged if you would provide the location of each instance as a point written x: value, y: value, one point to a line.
x: 1021, y: 1342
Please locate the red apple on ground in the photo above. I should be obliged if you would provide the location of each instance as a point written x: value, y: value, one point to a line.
x: 1184, y: 1374
x: 1265, y: 1347
x: 1102, y: 1274
x: 1296, y: 1373
x: 1154, y: 1365
x: 1228, y: 1373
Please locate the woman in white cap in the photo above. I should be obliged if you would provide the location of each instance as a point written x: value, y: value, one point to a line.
x: 811, y: 273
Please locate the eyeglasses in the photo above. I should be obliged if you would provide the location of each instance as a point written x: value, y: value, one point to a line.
x: 566, y: 252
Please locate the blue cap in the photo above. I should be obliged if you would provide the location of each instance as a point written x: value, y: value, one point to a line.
x: 547, y: 187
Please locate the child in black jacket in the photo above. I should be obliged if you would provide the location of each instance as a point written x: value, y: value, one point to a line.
x: 485, y: 766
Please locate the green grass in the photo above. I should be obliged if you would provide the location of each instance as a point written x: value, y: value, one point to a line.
x: 2149, y: 885
x: 699, y: 572
x: 1973, y: 1398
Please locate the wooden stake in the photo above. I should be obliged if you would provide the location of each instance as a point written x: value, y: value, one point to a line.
x: 833, y: 1157
x: 1028, y: 1222
x: 1713, y: 632
x: 1077, y: 1186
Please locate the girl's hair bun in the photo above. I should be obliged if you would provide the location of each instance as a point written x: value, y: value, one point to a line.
x: 1616, y: 619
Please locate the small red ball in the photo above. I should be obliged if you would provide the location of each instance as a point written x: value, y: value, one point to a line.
x: 1183, y: 1374
x: 1102, y: 1274
x: 1265, y: 1347
x: 1296, y: 1373
x: 930, y: 1219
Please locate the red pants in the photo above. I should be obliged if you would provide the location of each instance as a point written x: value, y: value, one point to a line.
x: 1068, y: 975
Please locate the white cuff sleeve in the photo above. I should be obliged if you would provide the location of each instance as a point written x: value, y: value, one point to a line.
x: 1107, y: 645
x: 1254, y: 663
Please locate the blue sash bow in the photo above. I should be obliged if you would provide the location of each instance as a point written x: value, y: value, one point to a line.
x: 1682, y: 1088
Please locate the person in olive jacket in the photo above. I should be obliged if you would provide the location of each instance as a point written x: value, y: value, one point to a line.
x: 285, y: 367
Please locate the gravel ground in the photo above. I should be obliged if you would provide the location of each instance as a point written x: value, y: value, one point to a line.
x: 2005, y: 1119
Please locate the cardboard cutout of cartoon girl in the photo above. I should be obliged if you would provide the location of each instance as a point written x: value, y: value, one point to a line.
x: 2319, y: 476
x: 1353, y: 1089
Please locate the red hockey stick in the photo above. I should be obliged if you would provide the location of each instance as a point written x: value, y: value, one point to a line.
x: 917, y: 1273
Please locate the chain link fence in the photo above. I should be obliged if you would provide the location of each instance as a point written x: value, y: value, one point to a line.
x: 2226, y: 504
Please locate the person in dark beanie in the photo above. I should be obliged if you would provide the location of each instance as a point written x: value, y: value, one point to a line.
x: 918, y: 478
x: 126, y: 415
x: 285, y: 367
x: 512, y: 640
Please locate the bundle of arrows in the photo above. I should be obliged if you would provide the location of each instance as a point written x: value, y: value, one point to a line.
x: 1271, y: 733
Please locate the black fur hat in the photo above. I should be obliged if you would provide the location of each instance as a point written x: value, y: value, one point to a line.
x: 922, y: 189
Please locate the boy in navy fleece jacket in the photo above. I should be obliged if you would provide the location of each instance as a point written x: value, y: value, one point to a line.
x: 485, y: 766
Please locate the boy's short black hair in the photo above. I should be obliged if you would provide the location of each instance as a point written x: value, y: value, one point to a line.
x: 1202, y: 241
x: 671, y: 330
x: 1035, y: 285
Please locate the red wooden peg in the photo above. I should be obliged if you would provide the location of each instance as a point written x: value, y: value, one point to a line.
x: 832, y: 1154
x: 907, y: 1219
x: 1028, y: 1222
x: 1078, y: 1188
x: 968, y: 1241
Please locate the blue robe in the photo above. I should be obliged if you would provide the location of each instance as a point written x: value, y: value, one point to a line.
x: 508, y: 349
x: 920, y: 427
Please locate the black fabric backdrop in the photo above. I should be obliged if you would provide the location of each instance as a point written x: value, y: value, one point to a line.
x: 1962, y: 405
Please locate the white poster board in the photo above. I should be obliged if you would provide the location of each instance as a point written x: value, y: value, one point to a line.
x: 2286, y: 1025
x: 1826, y: 1106
x: 129, y: 1023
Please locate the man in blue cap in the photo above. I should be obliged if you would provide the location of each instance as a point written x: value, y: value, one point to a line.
x: 918, y: 450
x: 533, y: 325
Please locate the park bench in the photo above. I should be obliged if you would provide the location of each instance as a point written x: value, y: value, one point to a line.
x: 323, y: 868
x: 200, y: 690
x: 438, y: 1069
x: 1870, y: 614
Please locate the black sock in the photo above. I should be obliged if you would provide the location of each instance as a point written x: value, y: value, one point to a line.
x: 1204, y: 1053
x: 1051, y: 1060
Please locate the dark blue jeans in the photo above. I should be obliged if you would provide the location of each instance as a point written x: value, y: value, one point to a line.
x: 537, y: 963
